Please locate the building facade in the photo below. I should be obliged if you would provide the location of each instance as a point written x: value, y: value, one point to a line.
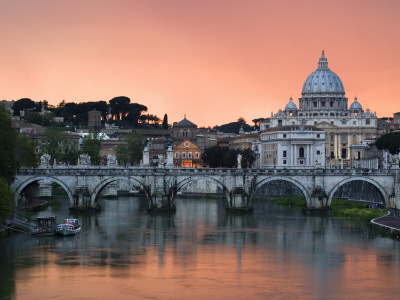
x: 323, y: 105
x: 183, y: 130
x: 187, y: 154
x: 292, y: 147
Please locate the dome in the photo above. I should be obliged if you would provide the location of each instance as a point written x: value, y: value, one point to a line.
x: 291, y: 105
x: 323, y: 80
x: 355, y: 105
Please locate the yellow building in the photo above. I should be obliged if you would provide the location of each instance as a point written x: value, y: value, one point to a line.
x: 187, y: 154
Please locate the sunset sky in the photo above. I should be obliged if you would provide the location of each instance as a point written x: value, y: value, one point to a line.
x: 214, y: 61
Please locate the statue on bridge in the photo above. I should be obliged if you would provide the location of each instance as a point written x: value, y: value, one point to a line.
x: 170, y: 157
x: 45, y: 161
x: 111, y: 161
x: 84, y: 160
x: 239, y: 161
x: 146, y: 157
x: 161, y: 161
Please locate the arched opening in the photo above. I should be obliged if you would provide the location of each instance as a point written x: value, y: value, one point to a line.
x: 43, y: 193
x: 203, y: 187
x: 119, y: 191
x: 360, y: 191
x: 280, y: 191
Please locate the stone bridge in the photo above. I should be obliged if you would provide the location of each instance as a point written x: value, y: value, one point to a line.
x: 161, y: 185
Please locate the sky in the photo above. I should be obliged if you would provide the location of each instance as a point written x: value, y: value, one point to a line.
x: 211, y: 60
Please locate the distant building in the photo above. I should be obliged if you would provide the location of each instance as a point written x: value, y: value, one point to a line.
x: 206, y: 138
x: 292, y: 147
x: 94, y: 120
x: 396, y: 118
x: 323, y: 105
x: 187, y: 154
x: 183, y: 130
x: 243, y: 141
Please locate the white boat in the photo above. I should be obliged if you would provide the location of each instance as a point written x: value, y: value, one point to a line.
x: 69, y: 227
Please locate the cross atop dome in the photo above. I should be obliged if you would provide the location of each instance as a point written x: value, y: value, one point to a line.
x: 323, y: 62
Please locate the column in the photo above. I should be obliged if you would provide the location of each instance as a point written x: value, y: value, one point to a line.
x: 335, y: 143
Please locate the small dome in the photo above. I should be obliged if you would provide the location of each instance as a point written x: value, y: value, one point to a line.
x: 355, y: 105
x: 291, y: 105
x: 323, y: 80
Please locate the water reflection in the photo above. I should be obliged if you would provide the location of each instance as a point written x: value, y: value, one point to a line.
x: 201, y: 252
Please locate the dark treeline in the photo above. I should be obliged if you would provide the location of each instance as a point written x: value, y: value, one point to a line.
x: 235, y: 127
x: 118, y: 110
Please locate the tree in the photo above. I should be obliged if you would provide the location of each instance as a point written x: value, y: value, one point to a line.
x: 132, y: 152
x: 220, y: 157
x: 119, y: 105
x: 70, y: 152
x: 25, y: 152
x: 52, y: 144
x: 234, y: 127
x: 47, y: 118
x: 230, y: 158
x: 135, y: 110
x: 22, y: 104
x: 122, y: 154
x: 389, y: 142
x: 8, y: 138
x: 69, y: 112
x: 6, y: 197
x: 91, y: 146
x: 35, y: 118
x: 248, y: 158
x: 165, y: 122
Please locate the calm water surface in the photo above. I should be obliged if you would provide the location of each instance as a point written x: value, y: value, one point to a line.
x: 201, y: 253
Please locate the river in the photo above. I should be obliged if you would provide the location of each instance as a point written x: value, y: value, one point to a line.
x: 200, y: 253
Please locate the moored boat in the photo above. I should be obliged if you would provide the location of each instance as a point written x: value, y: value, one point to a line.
x: 45, y: 226
x: 69, y: 227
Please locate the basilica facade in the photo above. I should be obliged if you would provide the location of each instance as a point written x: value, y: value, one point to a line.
x: 323, y: 105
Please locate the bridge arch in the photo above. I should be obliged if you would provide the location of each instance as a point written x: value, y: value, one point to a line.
x: 287, y: 179
x: 102, y: 184
x: 383, y: 192
x: 189, y: 180
x: 23, y: 185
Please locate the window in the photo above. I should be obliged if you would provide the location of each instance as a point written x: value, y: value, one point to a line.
x: 344, y: 152
x: 318, y: 136
x: 284, y: 153
x: 190, y: 154
x: 284, y: 135
x: 183, y: 155
x: 367, y: 121
x: 176, y: 155
x: 284, y: 161
x: 196, y: 155
x: 279, y: 122
x: 301, y: 162
x: 301, y: 152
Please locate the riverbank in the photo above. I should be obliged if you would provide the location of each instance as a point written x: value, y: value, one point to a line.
x: 341, y: 208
